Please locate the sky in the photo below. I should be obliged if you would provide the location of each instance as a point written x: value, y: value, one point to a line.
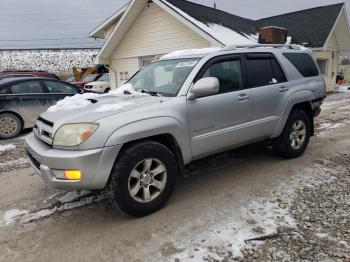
x: 67, y: 23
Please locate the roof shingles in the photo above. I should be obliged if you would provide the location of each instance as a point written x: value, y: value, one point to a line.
x: 310, y: 27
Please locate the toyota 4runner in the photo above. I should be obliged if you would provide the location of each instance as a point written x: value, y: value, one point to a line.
x: 134, y: 141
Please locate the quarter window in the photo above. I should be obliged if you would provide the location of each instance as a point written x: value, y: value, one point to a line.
x: 304, y: 63
x: 229, y: 74
x: 29, y: 87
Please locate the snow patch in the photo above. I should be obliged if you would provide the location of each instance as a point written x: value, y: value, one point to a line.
x: 225, y: 35
x: 112, y: 107
x: 342, y: 89
x: 329, y: 126
x: 7, y: 147
x: 67, y: 201
x: 16, y: 162
x: 13, y: 215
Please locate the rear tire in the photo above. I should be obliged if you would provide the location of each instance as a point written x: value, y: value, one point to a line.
x: 295, y: 137
x: 10, y: 126
x: 143, y: 178
x: 107, y: 90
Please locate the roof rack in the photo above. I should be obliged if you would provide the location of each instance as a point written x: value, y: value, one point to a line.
x: 233, y: 47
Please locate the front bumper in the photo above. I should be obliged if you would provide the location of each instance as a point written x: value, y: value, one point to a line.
x: 95, y: 164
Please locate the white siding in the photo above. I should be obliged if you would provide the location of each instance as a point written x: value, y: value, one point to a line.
x: 157, y: 32
x: 332, y: 67
x: 130, y: 65
x: 154, y: 33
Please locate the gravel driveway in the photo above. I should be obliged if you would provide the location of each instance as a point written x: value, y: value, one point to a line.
x: 242, y: 205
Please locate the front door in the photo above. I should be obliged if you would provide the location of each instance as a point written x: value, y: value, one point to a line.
x: 220, y: 121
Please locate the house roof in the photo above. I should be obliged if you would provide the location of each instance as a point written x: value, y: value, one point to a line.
x: 311, y: 26
x: 210, y: 15
x: 98, y: 32
x: 304, y: 26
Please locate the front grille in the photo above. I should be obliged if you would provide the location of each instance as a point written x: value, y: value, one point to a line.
x: 43, y: 130
x: 34, y: 161
x: 47, y: 122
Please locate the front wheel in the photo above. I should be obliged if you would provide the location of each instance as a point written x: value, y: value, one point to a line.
x: 143, y: 178
x: 295, y: 137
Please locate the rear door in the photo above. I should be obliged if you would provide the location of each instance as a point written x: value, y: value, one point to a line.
x: 220, y: 121
x: 29, y: 98
x: 268, y: 86
x: 56, y: 91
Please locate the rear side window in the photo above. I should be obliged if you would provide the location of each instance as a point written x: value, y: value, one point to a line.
x: 264, y: 71
x: 304, y: 63
x: 57, y: 87
x: 29, y: 87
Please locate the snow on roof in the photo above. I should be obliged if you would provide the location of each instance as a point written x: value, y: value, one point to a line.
x: 221, y: 33
x: 190, y: 52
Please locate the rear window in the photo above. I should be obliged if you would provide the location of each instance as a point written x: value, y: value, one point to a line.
x: 304, y: 63
x: 263, y: 70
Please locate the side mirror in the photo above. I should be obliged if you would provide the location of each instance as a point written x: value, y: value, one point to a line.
x: 205, y: 87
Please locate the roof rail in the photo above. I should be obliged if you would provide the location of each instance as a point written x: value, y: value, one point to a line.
x: 233, y: 47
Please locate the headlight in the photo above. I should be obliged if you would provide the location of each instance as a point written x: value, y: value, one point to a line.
x: 74, y: 134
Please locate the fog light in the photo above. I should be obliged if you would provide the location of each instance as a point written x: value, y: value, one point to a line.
x: 72, y: 174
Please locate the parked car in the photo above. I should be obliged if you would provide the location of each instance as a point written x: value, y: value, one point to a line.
x: 87, y: 79
x: 29, y: 74
x: 22, y: 100
x: 100, y: 86
x: 173, y: 111
x: 13, y: 76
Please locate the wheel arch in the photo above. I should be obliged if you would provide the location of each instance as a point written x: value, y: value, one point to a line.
x: 298, y: 100
x: 166, y: 139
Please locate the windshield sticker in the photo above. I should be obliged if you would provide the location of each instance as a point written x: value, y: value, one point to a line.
x: 187, y: 64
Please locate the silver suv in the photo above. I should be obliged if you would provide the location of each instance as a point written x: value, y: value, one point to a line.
x: 135, y: 141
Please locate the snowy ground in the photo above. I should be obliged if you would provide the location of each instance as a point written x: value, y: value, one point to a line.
x: 245, y: 204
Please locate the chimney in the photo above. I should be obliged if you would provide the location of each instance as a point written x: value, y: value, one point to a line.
x: 214, y: 5
x: 272, y: 35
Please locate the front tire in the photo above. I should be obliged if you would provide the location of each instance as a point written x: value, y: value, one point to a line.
x: 10, y: 126
x: 295, y: 137
x: 143, y: 178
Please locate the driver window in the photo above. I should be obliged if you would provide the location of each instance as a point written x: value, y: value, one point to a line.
x: 229, y: 74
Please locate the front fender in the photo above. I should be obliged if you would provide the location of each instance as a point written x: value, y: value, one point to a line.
x: 294, y: 99
x: 153, y: 127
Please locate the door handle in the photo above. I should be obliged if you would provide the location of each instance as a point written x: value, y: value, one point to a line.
x: 284, y: 89
x: 243, y: 97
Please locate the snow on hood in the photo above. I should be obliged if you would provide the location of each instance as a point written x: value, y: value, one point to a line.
x: 80, y: 101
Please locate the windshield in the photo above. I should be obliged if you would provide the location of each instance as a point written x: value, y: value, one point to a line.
x: 89, y: 78
x: 104, y: 78
x: 163, y: 77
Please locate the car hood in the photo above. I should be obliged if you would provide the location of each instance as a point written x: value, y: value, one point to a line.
x: 97, y: 107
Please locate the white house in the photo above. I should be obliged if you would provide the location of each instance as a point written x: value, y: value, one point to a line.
x: 143, y: 30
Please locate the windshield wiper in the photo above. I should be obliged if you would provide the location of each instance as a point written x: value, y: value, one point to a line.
x: 145, y: 91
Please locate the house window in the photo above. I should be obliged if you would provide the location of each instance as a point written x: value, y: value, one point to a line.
x: 322, y: 64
